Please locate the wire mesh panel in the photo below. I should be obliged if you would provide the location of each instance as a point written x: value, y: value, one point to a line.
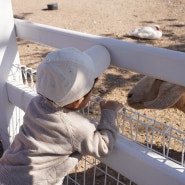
x: 154, y: 135
x: 157, y: 136
x: 16, y: 122
x: 91, y: 171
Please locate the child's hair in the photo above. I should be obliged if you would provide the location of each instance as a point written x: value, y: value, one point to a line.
x: 68, y: 74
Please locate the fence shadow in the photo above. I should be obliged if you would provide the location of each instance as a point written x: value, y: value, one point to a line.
x: 97, y: 174
x: 1, y: 149
x: 22, y: 15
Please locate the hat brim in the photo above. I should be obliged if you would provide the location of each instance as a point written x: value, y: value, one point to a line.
x: 101, y: 58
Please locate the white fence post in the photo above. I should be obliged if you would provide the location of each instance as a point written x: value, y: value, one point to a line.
x: 8, y: 56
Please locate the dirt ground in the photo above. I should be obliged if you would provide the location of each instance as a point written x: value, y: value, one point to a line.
x: 110, y: 18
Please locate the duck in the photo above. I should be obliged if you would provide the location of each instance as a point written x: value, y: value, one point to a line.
x: 149, y: 32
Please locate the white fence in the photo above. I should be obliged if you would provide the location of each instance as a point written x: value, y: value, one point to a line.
x: 138, y: 162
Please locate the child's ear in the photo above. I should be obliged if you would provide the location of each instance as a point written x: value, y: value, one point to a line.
x: 77, y: 103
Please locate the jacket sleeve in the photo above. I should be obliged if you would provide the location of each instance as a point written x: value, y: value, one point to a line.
x: 99, y: 140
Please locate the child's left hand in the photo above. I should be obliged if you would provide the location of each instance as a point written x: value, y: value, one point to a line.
x: 113, y: 105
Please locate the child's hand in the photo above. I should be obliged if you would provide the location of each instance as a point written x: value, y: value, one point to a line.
x: 113, y: 105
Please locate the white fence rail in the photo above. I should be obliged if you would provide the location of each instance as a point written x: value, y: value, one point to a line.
x: 161, y: 63
x: 139, y: 162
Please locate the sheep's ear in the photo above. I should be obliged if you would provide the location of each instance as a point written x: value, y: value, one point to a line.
x: 168, y: 95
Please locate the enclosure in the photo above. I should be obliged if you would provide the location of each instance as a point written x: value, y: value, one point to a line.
x: 132, y: 161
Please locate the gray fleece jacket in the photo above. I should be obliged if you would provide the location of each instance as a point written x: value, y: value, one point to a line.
x: 51, y: 141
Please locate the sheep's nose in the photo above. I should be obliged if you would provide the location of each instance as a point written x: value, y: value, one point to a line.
x: 129, y: 95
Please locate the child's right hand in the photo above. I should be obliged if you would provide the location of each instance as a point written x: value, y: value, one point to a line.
x: 113, y: 105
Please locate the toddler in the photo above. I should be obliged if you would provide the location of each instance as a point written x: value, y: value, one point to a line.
x: 54, y: 135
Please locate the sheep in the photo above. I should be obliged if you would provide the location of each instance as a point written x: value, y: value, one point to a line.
x: 153, y: 93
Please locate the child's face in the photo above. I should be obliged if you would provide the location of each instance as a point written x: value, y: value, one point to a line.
x: 85, y: 100
x: 81, y: 103
x: 87, y: 97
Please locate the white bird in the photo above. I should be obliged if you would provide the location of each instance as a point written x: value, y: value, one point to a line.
x: 153, y: 32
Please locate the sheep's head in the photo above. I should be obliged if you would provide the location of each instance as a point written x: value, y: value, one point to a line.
x: 156, y: 94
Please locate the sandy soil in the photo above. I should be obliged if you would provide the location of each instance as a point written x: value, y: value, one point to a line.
x: 109, y: 18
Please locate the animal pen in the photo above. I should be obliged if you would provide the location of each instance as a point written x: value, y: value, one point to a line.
x: 132, y: 162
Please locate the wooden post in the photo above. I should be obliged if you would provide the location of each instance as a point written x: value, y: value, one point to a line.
x: 8, y: 56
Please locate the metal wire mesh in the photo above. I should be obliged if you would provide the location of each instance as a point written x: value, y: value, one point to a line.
x: 156, y: 136
x: 91, y: 171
